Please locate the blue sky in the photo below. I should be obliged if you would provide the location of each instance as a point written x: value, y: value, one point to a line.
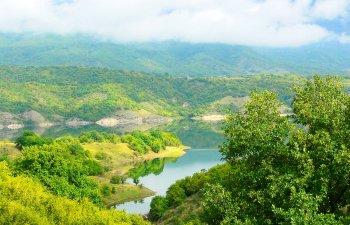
x: 272, y: 23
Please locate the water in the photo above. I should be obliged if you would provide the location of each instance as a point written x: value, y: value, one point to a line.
x: 194, y: 161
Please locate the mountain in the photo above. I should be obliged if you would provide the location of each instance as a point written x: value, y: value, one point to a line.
x: 174, y: 58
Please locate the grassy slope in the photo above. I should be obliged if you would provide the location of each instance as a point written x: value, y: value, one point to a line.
x: 188, y: 210
x: 126, y: 193
x: 25, y: 201
x: 8, y: 149
x: 121, y: 160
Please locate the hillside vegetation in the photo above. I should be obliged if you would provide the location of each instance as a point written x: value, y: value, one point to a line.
x: 93, y: 166
x: 93, y: 93
x: 25, y: 201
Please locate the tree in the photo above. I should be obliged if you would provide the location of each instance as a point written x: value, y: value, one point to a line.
x: 287, y: 170
x: 29, y: 138
x: 158, y: 208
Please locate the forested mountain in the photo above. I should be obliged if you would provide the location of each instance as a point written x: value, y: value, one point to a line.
x: 175, y: 58
x: 93, y: 93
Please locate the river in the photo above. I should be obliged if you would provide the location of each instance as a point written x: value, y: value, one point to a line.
x: 193, y: 161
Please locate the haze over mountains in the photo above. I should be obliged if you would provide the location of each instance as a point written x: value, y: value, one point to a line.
x: 174, y: 58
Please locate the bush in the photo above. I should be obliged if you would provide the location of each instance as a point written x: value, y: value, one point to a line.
x: 35, y: 205
x: 153, y: 141
x: 175, y: 195
x: 29, y: 138
x: 60, y: 171
x: 95, y: 136
x: 117, y: 180
x: 106, y: 190
x: 158, y: 208
x: 92, y: 167
x: 101, y: 156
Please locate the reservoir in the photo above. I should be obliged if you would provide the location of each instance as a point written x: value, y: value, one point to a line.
x: 193, y: 161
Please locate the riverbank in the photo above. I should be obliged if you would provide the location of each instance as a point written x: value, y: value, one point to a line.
x: 119, y: 159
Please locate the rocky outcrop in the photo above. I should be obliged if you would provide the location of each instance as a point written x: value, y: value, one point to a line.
x: 76, y: 122
x: 17, y: 121
x: 108, y: 122
x: 133, y: 118
x: 15, y: 126
x: 124, y: 119
x: 210, y: 118
x: 10, y: 121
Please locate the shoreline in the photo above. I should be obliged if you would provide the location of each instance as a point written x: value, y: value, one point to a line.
x: 122, y: 160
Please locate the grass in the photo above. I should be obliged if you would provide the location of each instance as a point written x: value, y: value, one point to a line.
x: 127, y: 192
x: 169, y: 152
x: 8, y: 149
x: 189, y: 209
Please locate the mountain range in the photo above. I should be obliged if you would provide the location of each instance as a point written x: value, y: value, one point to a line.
x: 173, y: 58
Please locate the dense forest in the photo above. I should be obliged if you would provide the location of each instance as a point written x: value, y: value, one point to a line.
x: 279, y: 169
x: 93, y: 93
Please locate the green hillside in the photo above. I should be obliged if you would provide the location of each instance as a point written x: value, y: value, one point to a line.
x: 93, y: 93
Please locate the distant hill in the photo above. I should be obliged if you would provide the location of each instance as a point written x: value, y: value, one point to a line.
x: 174, y: 58
x: 63, y: 92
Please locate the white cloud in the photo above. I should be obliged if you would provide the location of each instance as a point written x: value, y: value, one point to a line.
x: 247, y: 22
x: 344, y: 38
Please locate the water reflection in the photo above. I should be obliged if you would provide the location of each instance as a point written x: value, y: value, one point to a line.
x: 190, y: 132
x: 145, y: 168
x: 193, y: 161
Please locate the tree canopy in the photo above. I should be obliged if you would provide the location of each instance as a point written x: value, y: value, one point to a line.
x: 286, y: 170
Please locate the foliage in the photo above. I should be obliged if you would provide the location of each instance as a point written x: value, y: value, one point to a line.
x: 106, y: 190
x: 29, y: 138
x: 144, y: 142
x: 92, y: 167
x: 280, y: 170
x: 117, y: 179
x: 281, y: 173
x: 186, y: 187
x: 158, y: 207
x: 63, y: 167
x: 25, y: 201
x: 95, y: 136
x: 95, y: 93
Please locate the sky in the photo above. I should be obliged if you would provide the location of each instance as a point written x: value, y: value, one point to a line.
x: 270, y: 23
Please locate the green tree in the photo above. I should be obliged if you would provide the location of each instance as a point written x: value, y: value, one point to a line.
x: 175, y: 195
x: 287, y: 170
x: 29, y: 138
x: 158, y: 208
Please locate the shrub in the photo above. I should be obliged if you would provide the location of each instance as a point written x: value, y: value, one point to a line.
x: 92, y: 167
x: 117, y: 180
x: 158, y: 208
